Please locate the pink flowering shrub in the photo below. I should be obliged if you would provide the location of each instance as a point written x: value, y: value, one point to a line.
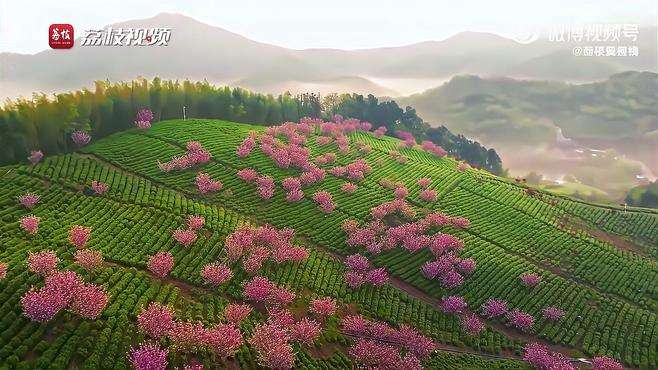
x: 540, y: 357
x: 216, y: 273
x: 520, y: 319
x: 463, y: 166
x: 3, y: 270
x: 379, y: 132
x: 294, y: 195
x: 530, y: 280
x: 35, y: 156
x: 30, y: 224
x: 433, y: 148
x: 99, y: 188
x: 89, y: 301
x: 291, y: 183
x: 88, y: 259
x: 354, y: 279
x: 553, y: 313
x: 377, y: 277
x: 359, y: 272
x: 378, y: 344
x: 453, y: 304
x: 256, y: 245
x: 244, y: 149
x: 144, y: 115
x: 205, y: 184
x: 271, y: 343
x: 195, y: 155
x: 424, y: 182
x: 606, y: 363
x: 186, y: 237
x: 235, y: 313
x: 466, y: 266
x: 247, y: 174
x: 79, y: 235
x: 149, y: 357
x: 62, y: 289
x: 428, y: 195
x: 265, y: 187
x: 195, y: 222
x: 494, y: 308
x: 358, y: 263
x: 258, y: 289
x: 80, y: 138
x: 187, y: 336
x: 42, y: 263
x: 160, y: 264
x: 156, y: 320
x: 348, y: 188
x: 400, y: 192
x: 472, y: 324
x: 42, y: 305
x: 28, y: 200
x: 306, y: 331
x: 323, y: 307
x: 223, y: 339
x: 324, y: 201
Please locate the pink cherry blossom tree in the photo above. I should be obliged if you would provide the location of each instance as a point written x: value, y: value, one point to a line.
x: 195, y: 222
x: 30, y: 224
x: 160, y: 264
x: 453, y: 304
x: 42, y: 263
x: 79, y: 235
x: 89, y: 301
x: 149, y: 356
x: 186, y: 237
x: 552, y: 313
x: 216, y: 273
x: 520, y: 320
x: 156, y: 320
x: 29, y: 200
x: 99, y: 188
x: 494, y: 307
x: 235, y: 312
x: 88, y: 259
x: 472, y: 324
x: 323, y: 307
x: 80, y: 138
x: 35, y: 156
x: 530, y: 280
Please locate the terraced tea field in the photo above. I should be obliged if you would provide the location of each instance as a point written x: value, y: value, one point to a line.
x: 597, y: 264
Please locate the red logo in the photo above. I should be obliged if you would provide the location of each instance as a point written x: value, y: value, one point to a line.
x: 60, y: 36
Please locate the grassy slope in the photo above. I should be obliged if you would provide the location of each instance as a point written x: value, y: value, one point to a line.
x: 610, y: 295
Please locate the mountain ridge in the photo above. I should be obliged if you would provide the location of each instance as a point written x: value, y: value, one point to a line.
x: 226, y: 57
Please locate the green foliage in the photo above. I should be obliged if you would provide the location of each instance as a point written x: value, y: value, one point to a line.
x: 609, y: 295
x: 644, y: 196
x: 45, y: 124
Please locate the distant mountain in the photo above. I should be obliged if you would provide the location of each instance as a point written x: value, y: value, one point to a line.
x: 200, y: 51
x: 603, y: 134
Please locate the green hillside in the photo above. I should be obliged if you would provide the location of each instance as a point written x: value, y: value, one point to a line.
x: 598, y: 264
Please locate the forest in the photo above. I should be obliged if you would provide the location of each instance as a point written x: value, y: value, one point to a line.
x: 45, y: 123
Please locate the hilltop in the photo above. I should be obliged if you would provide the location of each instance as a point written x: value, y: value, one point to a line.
x: 597, y: 264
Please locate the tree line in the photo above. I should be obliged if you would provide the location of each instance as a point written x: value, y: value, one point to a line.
x: 45, y: 123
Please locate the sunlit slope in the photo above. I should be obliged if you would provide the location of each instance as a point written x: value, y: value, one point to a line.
x: 609, y: 293
x: 511, y: 231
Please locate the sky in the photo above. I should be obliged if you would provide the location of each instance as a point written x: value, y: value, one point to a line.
x: 340, y: 24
